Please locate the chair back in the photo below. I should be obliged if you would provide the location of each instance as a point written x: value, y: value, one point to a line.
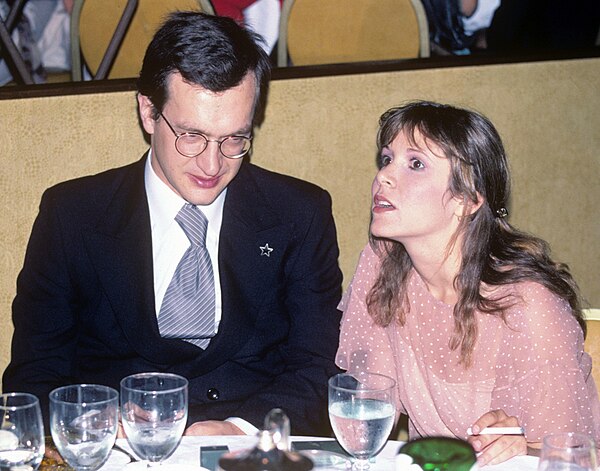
x: 94, y: 23
x: 592, y: 341
x: 338, y: 31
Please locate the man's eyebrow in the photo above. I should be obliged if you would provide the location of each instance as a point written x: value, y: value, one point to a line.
x: 189, y: 129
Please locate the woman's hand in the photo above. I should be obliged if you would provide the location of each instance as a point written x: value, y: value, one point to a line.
x: 495, y: 449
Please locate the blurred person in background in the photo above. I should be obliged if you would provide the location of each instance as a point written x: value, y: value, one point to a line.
x: 42, y: 36
x: 261, y: 16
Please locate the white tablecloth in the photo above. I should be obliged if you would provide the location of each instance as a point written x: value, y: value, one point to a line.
x: 187, y: 455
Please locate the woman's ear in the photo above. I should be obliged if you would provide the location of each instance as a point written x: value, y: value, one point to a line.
x: 467, y: 206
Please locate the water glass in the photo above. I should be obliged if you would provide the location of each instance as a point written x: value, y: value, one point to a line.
x: 568, y: 451
x: 154, y: 408
x: 21, y: 432
x: 84, y: 419
x: 361, y: 412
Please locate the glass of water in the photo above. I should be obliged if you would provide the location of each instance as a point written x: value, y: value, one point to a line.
x: 83, y: 421
x: 568, y: 451
x: 21, y: 432
x: 361, y: 412
x: 154, y: 408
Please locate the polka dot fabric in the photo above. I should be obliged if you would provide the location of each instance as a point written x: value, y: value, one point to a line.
x: 533, y: 366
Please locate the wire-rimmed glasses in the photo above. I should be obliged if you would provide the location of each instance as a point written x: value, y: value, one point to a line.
x: 192, y: 144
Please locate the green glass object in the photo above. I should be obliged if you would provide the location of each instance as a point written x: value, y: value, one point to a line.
x: 441, y: 454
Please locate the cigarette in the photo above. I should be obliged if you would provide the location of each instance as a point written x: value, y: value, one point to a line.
x: 499, y: 431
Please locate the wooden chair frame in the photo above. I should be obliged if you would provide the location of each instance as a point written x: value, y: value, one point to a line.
x: 115, y: 42
x: 282, y: 46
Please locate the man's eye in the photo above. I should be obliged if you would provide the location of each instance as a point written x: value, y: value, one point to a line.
x: 193, y: 138
x: 416, y: 164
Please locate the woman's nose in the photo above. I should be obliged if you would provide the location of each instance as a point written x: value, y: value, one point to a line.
x: 383, y: 177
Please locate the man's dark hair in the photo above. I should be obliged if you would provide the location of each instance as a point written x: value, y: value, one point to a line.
x: 213, y: 52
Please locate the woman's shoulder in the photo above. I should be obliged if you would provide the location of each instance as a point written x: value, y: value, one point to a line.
x: 540, y: 313
x: 532, y: 296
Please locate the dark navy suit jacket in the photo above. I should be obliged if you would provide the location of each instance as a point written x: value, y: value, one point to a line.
x: 85, y: 309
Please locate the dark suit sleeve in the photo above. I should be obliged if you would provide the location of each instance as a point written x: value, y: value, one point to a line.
x: 44, y: 336
x: 312, y: 292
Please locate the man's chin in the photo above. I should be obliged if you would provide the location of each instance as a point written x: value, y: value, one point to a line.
x: 203, y: 197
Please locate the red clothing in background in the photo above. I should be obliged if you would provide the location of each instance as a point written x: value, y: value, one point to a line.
x: 231, y: 8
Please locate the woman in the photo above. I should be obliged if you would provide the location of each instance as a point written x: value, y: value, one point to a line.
x: 477, y: 324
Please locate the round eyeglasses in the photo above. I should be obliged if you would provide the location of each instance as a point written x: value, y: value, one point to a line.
x: 192, y: 144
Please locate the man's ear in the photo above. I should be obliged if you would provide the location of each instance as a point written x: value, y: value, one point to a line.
x: 146, y: 109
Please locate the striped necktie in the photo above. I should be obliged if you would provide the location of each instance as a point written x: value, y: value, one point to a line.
x: 188, y: 308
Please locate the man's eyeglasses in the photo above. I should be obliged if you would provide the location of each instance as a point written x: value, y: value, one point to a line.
x: 192, y: 144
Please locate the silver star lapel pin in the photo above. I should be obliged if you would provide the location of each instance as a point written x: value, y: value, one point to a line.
x: 266, y: 250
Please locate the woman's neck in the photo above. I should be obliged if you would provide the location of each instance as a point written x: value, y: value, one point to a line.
x: 438, y: 271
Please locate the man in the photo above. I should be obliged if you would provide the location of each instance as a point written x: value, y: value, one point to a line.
x: 94, y: 299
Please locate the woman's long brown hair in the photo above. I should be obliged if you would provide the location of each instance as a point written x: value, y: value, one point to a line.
x: 493, y: 252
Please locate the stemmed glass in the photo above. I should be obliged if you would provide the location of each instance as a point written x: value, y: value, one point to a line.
x: 569, y: 451
x: 21, y: 432
x: 154, y: 408
x: 83, y: 421
x: 361, y: 411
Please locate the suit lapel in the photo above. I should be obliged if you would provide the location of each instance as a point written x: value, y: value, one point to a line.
x: 121, y: 249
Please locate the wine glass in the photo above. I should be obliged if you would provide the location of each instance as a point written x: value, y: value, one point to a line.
x: 568, y: 451
x: 84, y: 419
x: 21, y: 431
x: 361, y: 411
x: 154, y: 408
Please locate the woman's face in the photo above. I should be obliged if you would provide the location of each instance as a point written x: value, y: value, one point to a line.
x: 411, y: 200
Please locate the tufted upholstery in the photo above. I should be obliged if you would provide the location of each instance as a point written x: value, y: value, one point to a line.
x: 323, y: 129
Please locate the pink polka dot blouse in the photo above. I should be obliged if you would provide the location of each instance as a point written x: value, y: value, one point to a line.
x: 532, y: 367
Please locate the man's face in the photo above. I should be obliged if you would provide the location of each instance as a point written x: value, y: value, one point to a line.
x: 191, y: 108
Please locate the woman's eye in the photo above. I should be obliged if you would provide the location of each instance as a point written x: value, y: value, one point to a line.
x: 416, y: 164
x: 384, y: 160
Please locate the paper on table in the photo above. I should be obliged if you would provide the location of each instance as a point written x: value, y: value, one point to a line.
x: 521, y: 463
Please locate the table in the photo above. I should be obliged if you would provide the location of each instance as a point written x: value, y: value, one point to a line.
x: 187, y: 455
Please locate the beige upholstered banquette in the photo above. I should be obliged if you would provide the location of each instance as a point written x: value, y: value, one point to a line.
x: 322, y: 129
